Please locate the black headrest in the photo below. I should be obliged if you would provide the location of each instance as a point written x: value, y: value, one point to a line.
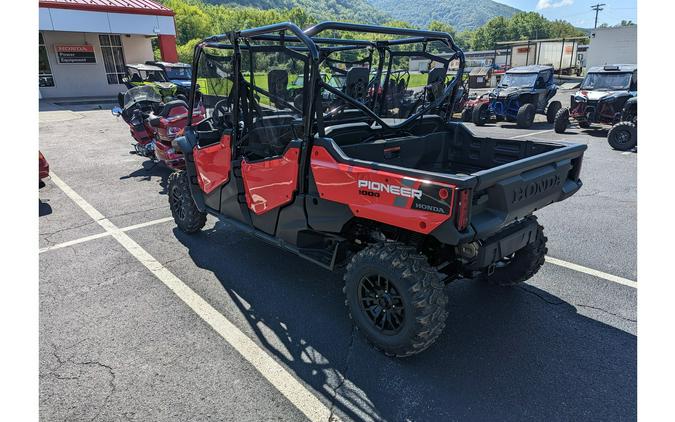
x: 277, y: 82
x: 436, y: 74
x: 136, y: 78
x: 356, y: 83
x: 171, y: 105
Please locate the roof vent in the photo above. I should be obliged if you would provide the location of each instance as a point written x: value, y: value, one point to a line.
x: 611, y: 67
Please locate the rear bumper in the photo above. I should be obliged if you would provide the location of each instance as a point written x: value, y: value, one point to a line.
x: 509, y: 240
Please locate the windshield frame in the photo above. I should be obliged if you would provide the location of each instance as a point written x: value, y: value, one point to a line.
x: 516, y: 75
x: 141, y: 93
x: 181, y: 69
x: 599, y: 76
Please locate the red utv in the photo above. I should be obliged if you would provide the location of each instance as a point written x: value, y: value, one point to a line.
x: 603, y: 98
x: 474, y: 103
x: 407, y: 204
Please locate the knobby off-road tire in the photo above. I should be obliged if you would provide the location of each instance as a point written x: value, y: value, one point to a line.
x: 623, y: 136
x: 480, y: 115
x: 522, y: 265
x: 183, y: 209
x: 552, y: 111
x: 395, y: 278
x: 525, y: 116
x: 562, y: 120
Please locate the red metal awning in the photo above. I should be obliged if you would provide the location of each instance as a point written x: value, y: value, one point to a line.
x: 138, y: 7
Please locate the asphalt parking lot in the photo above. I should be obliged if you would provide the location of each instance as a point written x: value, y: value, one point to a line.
x: 134, y: 314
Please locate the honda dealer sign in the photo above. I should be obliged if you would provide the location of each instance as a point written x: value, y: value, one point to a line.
x: 75, y: 54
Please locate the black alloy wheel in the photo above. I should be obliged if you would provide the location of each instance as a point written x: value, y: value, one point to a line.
x: 381, y: 303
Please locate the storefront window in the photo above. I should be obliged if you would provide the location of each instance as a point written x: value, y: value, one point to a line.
x: 113, y: 58
x: 45, y: 72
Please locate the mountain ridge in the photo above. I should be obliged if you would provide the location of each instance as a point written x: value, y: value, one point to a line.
x: 460, y: 14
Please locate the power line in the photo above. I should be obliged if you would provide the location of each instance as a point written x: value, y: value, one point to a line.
x: 597, y: 9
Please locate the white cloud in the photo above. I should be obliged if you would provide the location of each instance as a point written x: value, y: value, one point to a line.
x: 548, y: 4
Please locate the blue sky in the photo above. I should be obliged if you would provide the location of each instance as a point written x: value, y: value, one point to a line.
x: 579, y: 12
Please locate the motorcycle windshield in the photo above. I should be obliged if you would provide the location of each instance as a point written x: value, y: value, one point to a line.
x: 149, y: 93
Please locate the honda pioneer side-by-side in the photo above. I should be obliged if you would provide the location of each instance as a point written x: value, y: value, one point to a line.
x: 522, y: 93
x: 403, y: 198
x: 602, y: 97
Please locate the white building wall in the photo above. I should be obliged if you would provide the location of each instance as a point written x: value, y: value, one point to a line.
x: 89, y: 80
x: 613, y: 46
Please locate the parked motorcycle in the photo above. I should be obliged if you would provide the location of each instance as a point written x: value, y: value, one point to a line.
x: 154, y: 123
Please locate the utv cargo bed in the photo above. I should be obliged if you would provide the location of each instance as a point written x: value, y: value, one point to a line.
x: 508, y: 179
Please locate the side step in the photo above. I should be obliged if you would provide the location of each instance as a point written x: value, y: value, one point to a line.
x: 322, y: 256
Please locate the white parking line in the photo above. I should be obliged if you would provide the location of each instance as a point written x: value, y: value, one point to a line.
x: 591, y: 271
x: 531, y: 134
x: 104, y: 234
x: 269, y: 368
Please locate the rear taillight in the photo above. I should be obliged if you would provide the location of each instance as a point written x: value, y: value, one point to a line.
x: 463, y: 208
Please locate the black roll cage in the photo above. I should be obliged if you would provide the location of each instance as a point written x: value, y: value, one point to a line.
x: 287, y: 32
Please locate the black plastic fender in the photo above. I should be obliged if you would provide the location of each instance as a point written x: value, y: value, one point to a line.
x: 186, y: 144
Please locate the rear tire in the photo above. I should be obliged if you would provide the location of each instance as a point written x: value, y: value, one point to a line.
x: 481, y: 114
x: 183, y: 209
x: 552, y: 110
x: 522, y: 265
x: 562, y: 120
x: 396, y: 278
x: 525, y: 116
x: 623, y: 136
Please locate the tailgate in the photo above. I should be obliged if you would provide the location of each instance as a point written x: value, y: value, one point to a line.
x: 514, y: 190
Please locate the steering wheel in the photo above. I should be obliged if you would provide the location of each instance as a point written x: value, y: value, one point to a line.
x: 222, y: 114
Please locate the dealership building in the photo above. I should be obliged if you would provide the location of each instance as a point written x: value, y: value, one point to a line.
x: 85, y: 44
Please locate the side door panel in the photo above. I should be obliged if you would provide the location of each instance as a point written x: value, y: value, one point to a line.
x: 213, y: 163
x: 272, y: 182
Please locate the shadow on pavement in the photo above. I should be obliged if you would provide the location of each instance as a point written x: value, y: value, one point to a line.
x: 506, y: 354
x: 152, y: 169
x: 535, y: 126
x: 596, y: 132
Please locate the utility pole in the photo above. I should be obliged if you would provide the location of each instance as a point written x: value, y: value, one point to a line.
x: 597, y: 9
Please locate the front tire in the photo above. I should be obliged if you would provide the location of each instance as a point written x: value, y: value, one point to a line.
x: 521, y: 265
x: 481, y: 114
x: 562, y: 120
x: 623, y: 136
x: 525, y: 116
x: 392, y: 277
x: 183, y: 209
x: 552, y: 110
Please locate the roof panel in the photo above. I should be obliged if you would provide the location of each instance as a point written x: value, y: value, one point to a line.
x: 142, y: 7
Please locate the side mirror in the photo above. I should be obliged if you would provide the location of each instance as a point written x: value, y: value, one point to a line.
x: 116, y: 111
x: 154, y: 121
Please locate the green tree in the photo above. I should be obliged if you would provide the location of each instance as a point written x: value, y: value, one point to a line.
x: 442, y: 27
x: 192, y: 21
